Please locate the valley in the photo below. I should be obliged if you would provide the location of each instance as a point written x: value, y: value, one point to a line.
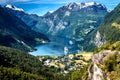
x: 68, y: 63
x: 74, y: 22
x: 77, y: 41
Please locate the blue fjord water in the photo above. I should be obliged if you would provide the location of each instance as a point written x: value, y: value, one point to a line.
x: 51, y: 49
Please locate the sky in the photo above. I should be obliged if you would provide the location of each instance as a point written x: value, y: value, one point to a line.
x: 40, y: 7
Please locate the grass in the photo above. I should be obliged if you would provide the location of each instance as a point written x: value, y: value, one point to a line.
x: 116, y: 25
x: 86, y: 55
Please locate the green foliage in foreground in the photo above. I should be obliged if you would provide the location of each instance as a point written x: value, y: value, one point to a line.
x: 80, y: 74
x: 112, y: 66
x: 109, y: 46
x: 13, y: 58
x: 111, y: 63
x: 16, y: 58
x: 16, y: 74
x: 27, y: 66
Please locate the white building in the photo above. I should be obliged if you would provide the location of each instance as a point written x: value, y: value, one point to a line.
x: 65, y: 50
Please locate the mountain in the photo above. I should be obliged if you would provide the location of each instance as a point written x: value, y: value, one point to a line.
x: 29, y: 19
x: 106, y: 59
x: 15, y: 33
x: 109, y: 30
x: 105, y: 63
x: 74, y: 22
x: 14, y: 8
x: 69, y: 18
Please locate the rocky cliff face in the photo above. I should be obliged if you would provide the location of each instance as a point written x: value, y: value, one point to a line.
x: 99, y: 41
x: 96, y: 74
x: 109, y: 30
x: 95, y: 69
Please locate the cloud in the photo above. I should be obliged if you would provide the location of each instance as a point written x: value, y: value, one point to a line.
x: 21, y: 0
x: 39, y: 2
x: 50, y: 1
x: 35, y: 1
x: 12, y: 1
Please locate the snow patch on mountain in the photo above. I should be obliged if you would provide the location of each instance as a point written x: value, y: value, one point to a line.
x: 13, y: 7
x: 67, y: 13
x: 49, y: 22
x: 71, y: 42
x: 90, y: 3
x: 65, y: 23
x: 60, y: 26
x: 51, y: 12
x: 77, y: 5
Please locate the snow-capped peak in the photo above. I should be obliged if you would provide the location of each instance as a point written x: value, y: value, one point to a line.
x: 81, y: 5
x: 13, y: 7
x: 87, y: 4
x: 90, y: 3
x: 51, y: 11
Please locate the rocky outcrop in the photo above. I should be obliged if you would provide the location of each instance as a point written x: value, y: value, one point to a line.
x: 94, y: 70
x: 95, y: 73
x: 99, y: 41
x: 109, y: 28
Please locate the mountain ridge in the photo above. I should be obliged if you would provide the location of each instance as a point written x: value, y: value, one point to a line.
x: 109, y: 29
x: 15, y: 33
x: 13, y: 7
x: 64, y: 24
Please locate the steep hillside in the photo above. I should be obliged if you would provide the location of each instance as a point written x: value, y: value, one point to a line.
x: 107, y: 60
x: 71, y: 25
x: 30, y: 19
x: 13, y: 73
x: 16, y: 63
x: 105, y: 64
x: 15, y: 33
x: 109, y: 30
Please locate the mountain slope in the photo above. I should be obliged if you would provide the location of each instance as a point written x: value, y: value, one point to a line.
x: 73, y: 23
x: 109, y: 30
x: 12, y: 73
x: 30, y: 19
x: 106, y: 59
x: 15, y: 33
x: 72, y: 17
x: 23, y: 66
